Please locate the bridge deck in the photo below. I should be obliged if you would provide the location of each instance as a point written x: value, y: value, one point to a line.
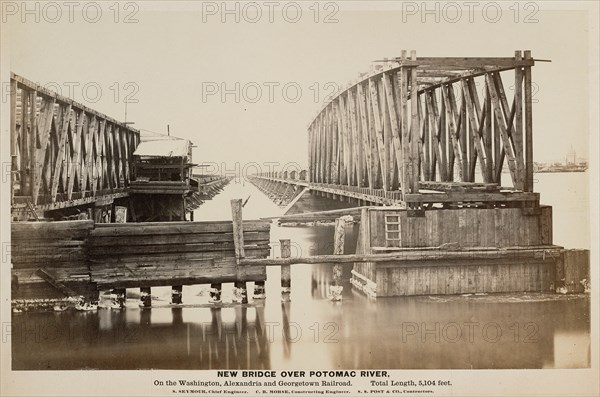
x: 430, y: 193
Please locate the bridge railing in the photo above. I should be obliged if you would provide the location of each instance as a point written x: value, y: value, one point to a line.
x: 64, y: 153
x: 413, y: 119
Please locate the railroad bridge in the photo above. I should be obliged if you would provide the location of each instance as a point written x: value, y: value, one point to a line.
x: 420, y: 131
x: 437, y: 152
x: 69, y: 161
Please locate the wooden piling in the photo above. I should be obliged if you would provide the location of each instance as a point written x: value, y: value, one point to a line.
x: 145, y: 297
x: 215, y: 292
x: 177, y: 294
x: 241, y: 293
x: 286, y: 279
x: 259, y: 290
x: 120, y: 296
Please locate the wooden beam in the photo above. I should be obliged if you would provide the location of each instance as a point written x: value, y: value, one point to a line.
x: 518, y: 122
x: 375, y: 110
x: 13, y: 135
x: 528, y: 127
x: 58, y: 161
x: 412, y: 254
x: 33, y: 160
x: 238, y: 228
x: 388, y: 86
x: 503, y: 129
x: 366, y: 149
x: 45, y: 122
x: 451, y: 111
x: 74, y: 162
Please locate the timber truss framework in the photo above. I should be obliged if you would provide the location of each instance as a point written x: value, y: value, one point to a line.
x: 64, y: 154
x: 419, y: 131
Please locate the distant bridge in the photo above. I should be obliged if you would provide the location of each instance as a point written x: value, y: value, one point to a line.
x: 421, y: 131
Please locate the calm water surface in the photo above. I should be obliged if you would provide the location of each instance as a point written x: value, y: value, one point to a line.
x: 490, y: 331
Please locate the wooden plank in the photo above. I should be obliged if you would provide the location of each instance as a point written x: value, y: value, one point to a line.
x: 44, y: 274
x: 376, y: 115
x: 499, y: 117
x: 509, y: 115
x: 454, y: 129
x: 187, y: 238
x: 327, y: 144
x: 358, y: 154
x: 388, y: 85
x: 375, y: 163
x: 62, y: 141
x: 33, y: 161
x: 528, y: 127
x: 450, y: 197
x: 422, y: 256
x: 365, y: 133
x: 415, y: 130
x: 238, y: 228
x: 14, y: 133
x: 45, y: 124
x: 518, y: 122
x: 23, y: 142
x: 545, y: 227
x: 48, y: 228
x: 74, y: 157
x: 334, y: 129
x: 286, y: 271
x: 177, y: 227
x: 387, y: 135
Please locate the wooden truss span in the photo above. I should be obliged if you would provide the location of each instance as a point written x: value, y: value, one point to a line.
x: 411, y: 121
x: 64, y: 154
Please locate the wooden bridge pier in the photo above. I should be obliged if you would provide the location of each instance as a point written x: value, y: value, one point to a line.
x: 81, y: 258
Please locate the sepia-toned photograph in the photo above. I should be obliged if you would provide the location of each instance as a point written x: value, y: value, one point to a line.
x: 299, y: 197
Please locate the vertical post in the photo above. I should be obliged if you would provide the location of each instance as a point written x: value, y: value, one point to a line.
x: 286, y: 278
x: 145, y: 297
x: 518, y: 122
x: 215, y: 293
x: 120, y: 297
x: 259, y: 290
x: 177, y: 294
x: 336, y: 288
x: 33, y: 160
x: 415, y: 126
x: 13, y: 134
x: 528, y: 127
x: 404, y: 178
x: 24, y: 144
x: 241, y: 293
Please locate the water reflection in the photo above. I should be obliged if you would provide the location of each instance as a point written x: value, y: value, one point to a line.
x: 418, y: 332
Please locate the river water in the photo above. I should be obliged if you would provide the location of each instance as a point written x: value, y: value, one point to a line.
x: 441, y: 332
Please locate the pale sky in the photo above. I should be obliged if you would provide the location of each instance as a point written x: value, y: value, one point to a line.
x: 174, y: 51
